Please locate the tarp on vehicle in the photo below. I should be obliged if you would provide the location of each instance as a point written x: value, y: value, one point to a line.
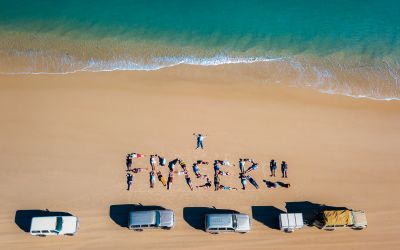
x: 338, y: 217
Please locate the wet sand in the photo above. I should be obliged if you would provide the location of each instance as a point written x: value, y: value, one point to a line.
x: 63, y: 139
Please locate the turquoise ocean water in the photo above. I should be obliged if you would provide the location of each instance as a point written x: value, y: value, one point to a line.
x: 349, y: 47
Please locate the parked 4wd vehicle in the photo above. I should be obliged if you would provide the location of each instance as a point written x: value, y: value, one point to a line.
x: 139, y: 220
x: 217, y: 223
x: 54, y: 225
x: 330, y: 220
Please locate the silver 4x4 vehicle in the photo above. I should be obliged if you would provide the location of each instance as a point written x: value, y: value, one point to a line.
x: 139, y: 220
x: 228, y: 222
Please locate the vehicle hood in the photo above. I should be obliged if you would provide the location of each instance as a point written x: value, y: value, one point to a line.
x: 359, y: 219
x: 167, y: 218
x: 70, y: 225
x: 243, y: 222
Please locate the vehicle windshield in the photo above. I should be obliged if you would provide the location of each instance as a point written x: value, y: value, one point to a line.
x: 157, y: 218
x: 234, y: 222
x: 59, y: 224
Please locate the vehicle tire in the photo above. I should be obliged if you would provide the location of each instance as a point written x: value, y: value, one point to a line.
x: 358, y: 228
x: 242, y: 232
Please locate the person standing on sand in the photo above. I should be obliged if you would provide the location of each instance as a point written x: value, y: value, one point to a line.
x: 200, y: 139
x: 284, y: 168
x: 129, y: 180
x: 272, y: 167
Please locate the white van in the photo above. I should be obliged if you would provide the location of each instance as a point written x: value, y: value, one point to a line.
x: 289, y: 222
x: 54, y: 225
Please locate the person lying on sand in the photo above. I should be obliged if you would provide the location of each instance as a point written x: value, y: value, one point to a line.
x: 207, y: 185
x: 170, y: 180
x: 153, y: 162
x: 243, y: 180
x: 152, y: 178
x: 196, y: 170
x: 183, y: 165
x: 161, y: 160
x: 136, y: 155
x: 216, y: 167
x: 223, y: 162
x: 171, y: 164
x: 271, y: 184
x: 284, y: 185
x: 216, y: 182
x: 129, y: 180
x: 137, y: 170
x: 222, y: 172
x: 161, y: 178
x: 251, y: 168
x: 222, y: 187
x: 128, y: 161
x: 241, y: 165
x: 252, y: 181
x: 188, y: 180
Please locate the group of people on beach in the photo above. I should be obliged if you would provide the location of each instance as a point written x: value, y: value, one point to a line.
x: 157, y: 161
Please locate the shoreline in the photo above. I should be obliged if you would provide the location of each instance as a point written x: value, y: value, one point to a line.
x: 229, y: 67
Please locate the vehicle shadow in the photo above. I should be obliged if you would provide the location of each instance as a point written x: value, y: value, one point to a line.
x: 119, y: 213
x: 267, y: 215
x: 309, y: 210
x: 195, y: 216
x: 23, y: 218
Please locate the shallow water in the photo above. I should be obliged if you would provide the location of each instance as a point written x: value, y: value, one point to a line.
x: 348, y: 47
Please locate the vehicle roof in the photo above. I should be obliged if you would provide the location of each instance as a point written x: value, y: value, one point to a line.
x: 219, y: 220
x: 43, y: 223
x: 142, y: 217
x: 243, y: 222
x: 69, y: 223
x: 291, y: 220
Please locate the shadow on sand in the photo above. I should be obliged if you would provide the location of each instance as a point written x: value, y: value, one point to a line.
x: 267, y: 215
x: 23, y: 218
x: 195, y: 216
x: 119, y: 213
x: 310, y: 210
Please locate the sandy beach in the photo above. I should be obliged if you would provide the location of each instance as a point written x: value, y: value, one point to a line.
x: 63, y: 141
